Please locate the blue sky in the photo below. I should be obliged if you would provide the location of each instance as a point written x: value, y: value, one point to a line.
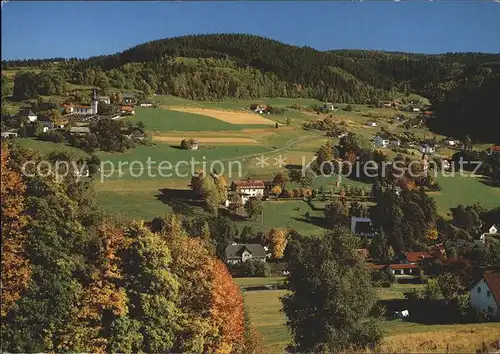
x: 83, y: 29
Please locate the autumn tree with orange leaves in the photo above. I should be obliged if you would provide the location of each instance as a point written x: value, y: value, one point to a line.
x: 16, y: 269
x: 227, y: 314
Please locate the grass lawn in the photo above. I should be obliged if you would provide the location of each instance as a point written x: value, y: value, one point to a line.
x: 464, y: 190
x: 46, y: 147
x: 258, y: 281
x: 265, y: 313
x: 163, y: 120
x: 235, y: 104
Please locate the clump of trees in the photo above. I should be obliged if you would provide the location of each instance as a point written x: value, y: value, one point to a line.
x: 187, y: 144
x: 212, y: 188
x: 111, y: 286
x: 331, y: 269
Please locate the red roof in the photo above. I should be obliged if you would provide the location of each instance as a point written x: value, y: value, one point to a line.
x: 392, y: 266
x: 492, y: 278
x: 403, y: 266
x: 495, y: 148
x: 249, y: 184
x: 376, y: 266
x: 81, y: 106
x: 127, y: 108
x: 415, y: 257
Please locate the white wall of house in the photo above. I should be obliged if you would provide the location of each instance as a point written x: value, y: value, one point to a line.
x: 32, y: 118
x: 482, y: 299
x: 380, y: 142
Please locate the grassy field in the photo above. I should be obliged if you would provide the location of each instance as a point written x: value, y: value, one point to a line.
x: 464, y: 190
x: 164, y: 120
x: 399, y: 336
x: 46, y: 147
x: 258, y: 281
x: 137, y: 197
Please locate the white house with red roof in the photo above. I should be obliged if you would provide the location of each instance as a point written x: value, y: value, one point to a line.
x: 249, y: 188
x: 485, y: 294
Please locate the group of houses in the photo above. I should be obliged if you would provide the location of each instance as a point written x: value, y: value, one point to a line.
x: 78, y: 113
x: 92, y: 108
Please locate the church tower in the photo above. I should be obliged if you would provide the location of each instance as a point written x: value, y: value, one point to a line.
x: 94, y: 102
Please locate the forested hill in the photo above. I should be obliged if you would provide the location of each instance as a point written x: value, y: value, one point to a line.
x: 247, y: 66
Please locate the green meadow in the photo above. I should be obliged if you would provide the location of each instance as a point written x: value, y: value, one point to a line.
x: 164, y: 120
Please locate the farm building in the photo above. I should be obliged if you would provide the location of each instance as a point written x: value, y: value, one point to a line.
x: 9, y: 134
x: 329, y: 106
x: 248, y: 188
x: 104, y: 99
x: 449, y: 142
x: 127, y: 110
x: 29, y: 115
x: 395, y: 142
x: 485, y: 294
x: 380, y: 142
x: 371, y: 123
x: 362, y: 227
x: 79, y: 130
x: 240, y: 253
x: 427, y: 148
x: 258, y: 108
x: 400, y: 271
x: 416, y: 257
x: 129, y: 97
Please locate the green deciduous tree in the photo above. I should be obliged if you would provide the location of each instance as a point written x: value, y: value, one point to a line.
x: 330, y: 296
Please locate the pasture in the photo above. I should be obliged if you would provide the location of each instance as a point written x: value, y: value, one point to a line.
x: 264, y: 308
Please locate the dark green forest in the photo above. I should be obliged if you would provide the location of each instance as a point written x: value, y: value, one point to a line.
x: 463, y: 87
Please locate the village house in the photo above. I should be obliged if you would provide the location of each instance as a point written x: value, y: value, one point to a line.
x: 495, y: 149
x: 129, y: 98
x: 195, y: 144
x: 258, y: 108
x: 427, y: 148
x: 240, y: 253
x: 413, y: 108
x: 79, y: 131
x: 445, y: 165
x: 9, y: 134
x: 395, y: 142
x: 136, y: 134
x: 146, y: 105
x: 29, y: 115
x: 449, y: 142
x: 488, y: 231
x: 416, y: 258
x: 371, y: 123
x: 83, y: 109
x: 104, y: 99
x: 248, y: 188
x: 400, y: 271
x: 127, y: 110
x: 329, y: 106
x: 485, y: 294
x: 362, y: 227
x: 380, y: 142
